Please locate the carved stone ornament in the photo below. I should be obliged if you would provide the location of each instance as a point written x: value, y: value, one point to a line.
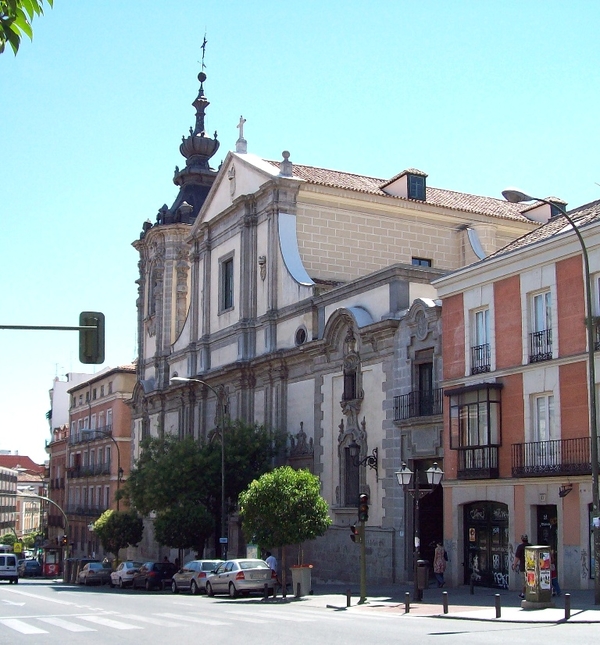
x: 422, y: 327
x: 300, y: 444
x: 262, y: 265
x: 231, y: 177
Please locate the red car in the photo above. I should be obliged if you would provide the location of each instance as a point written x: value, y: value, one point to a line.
x: 154, y: 575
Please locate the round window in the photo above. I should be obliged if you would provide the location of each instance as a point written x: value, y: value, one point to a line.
x: 301, y: 336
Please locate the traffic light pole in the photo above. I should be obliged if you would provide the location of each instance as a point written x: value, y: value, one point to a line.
x: 363, y: 565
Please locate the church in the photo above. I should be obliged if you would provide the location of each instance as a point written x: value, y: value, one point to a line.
x: 303, y: 298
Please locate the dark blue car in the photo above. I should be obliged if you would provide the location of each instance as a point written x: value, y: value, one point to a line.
x: 29, y: 569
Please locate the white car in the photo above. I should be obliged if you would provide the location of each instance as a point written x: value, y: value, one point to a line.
x: 242, y: 575
x: 193, y: 576
x: 122, y: 576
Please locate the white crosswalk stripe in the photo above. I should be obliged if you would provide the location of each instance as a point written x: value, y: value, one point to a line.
x: 21, y: 626
x: 150, y: 620
x: 109, y: 622
x: 65, y: 624
x: 192, y: 619
x: 243, y: 617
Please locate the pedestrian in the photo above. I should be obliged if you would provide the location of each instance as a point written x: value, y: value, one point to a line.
x: 554, y: 575
x: 271, y: 560
x: 440, y: 558
x: 519, y: 562
x: 166, y: 560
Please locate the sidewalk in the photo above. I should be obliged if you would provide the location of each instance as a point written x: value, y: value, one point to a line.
x: 462, y: 605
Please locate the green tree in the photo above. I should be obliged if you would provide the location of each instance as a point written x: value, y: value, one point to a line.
x: 184, y: 527
x: 15, y: 20
x: 117, y: 530
x: 8, y: 538
x: 173, y: 472
x: 284, y: 507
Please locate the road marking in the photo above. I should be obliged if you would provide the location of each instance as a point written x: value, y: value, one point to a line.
x: 20, y: 626
x: 38, y: 597
x: 108, y: 622
x: 10, y: 602
x: 243, y: 616
x: 66, y: 624
x: 151, y: 621
x: 190, y: 619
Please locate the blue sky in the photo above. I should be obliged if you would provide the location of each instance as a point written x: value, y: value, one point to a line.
x: 480, y: 95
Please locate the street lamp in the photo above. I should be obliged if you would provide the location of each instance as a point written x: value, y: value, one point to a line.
x: 370, y: 460
x: 108, y: 434
x: 516, y: 196
x: 224, y: 531
x: 404, y: 476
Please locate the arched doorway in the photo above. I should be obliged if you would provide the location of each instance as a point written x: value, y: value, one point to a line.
x: 486, y: 544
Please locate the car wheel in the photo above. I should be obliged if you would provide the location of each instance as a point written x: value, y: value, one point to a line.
x: 232, y: 591
x: 194, y: 588
x: 121, y: 585
x: 148, y: 585
x: 209, y: 590
x: 174, y: 587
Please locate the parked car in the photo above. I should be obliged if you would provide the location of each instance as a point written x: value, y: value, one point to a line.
x: 94, y: 573
x: 29, y: 569
x: 193, y: 575
x: 123, y: 574
x: 152, y: 575
x: 8, y: 567
x: 241, y: 575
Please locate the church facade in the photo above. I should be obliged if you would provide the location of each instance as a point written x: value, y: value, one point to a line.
x: 302, y: 296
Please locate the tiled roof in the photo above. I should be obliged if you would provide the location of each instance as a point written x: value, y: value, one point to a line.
x: 434, y: 196
x: 21, y: 462
x: 582, y: 215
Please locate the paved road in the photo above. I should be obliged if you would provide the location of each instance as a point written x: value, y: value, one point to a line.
x: 53, y: 613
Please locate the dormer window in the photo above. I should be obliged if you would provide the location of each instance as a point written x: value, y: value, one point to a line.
x: 416, y: 187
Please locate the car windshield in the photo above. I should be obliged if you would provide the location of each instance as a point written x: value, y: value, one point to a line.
x: 207, y: 565
x: 253, y: 564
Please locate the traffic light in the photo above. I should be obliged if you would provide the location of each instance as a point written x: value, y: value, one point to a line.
x: 354, y: 536
x: 363, y: 508
x: 65, y: 540
x: 91, y: 341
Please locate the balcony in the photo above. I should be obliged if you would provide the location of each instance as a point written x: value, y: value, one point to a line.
x: 557, y: 457
x: 540, y: 346
x: 88, y: 434
x: 478, y: 463
x: 75, y: 472
x: 88, y: 511
x: 420, y: 403
x: 480, y: 359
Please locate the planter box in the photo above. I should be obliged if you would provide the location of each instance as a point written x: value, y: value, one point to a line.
x: 302, y: 575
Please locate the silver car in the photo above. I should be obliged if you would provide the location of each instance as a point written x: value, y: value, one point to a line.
x: 123, y: 575
x: 242, y: 575
x: 193, y: 576
x: 94, y: 573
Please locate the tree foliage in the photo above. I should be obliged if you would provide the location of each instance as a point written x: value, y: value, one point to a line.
x: 15, y: 20
x: 8, y: 538
x: 116, y: 530
x: 184, y: 527
x: 172, y: 472
x: 284, y: 507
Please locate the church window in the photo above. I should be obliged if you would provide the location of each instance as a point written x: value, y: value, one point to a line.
x: 226, y: 284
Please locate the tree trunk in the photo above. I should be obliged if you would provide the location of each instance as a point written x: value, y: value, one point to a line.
x: 283, y: 573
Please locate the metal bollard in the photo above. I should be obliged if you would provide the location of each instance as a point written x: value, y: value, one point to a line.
x: 445, y: 601
x: 567, y: 606
x: 298, y: 590
x: 266, y: 591
x: 472, y: 585
x: 348, y: 598
x: 406, y: 602
x: 497, y: 603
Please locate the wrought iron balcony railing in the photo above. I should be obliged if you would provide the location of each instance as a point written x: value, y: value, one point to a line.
x: 554, y: 457
x: 80, y: 509
x: 90, y: 434
x: 478, y: 463
x: 540, y: 346
x: 420, y: 403
x: 75, y: 472
x: 480, y: 359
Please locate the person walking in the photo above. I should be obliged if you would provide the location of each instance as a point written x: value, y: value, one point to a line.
x: 519, y: 562
x: 271, y: 560
x: 440, y: 557
x: 554, y: 575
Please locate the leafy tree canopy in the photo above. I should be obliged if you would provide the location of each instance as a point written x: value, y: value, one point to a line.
x: 284, y: 507
x: 184, y: 527
x: 117, y: 530
x: 15, y: 20
x: 172, y: 472
x: 8, y: 538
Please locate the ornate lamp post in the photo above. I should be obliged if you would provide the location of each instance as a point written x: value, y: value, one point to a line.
x: 370, y: 460
x: 404, y: 476
x: 224, y: 531
x: 516, y: 196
